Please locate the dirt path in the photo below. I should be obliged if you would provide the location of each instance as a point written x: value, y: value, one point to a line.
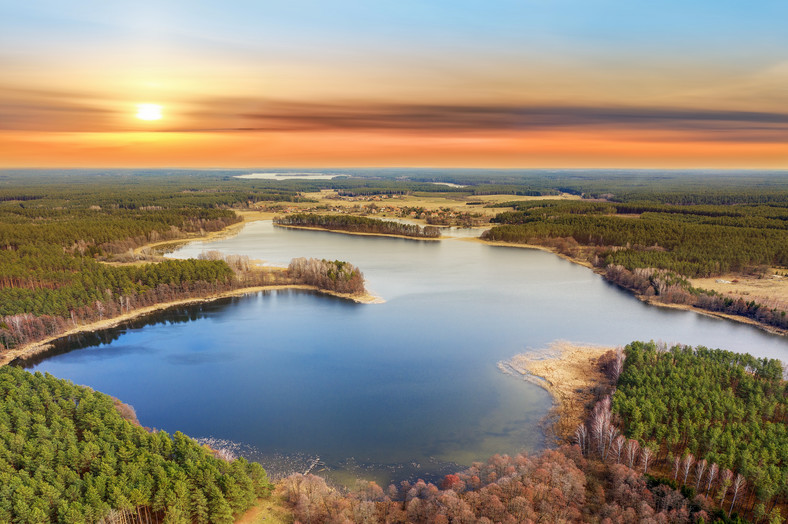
x: 266, y: 511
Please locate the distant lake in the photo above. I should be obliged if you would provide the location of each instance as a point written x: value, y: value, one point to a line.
x: 288, y: 176
x: 401, y: 389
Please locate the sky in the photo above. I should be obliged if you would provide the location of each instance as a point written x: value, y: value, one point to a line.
x: 494, y: 83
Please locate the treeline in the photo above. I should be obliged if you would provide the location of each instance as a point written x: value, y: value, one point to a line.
x: 336, y: 275
x: 356, y: 224
x: 177, y: 188
x: 67, y: 455
x: 135, y: 189
x: 97, y: 231
x: 165, y: 281
x: 56, y: 290
x: 717, y: 422
x: 701, y: 242
x: 553, y: 486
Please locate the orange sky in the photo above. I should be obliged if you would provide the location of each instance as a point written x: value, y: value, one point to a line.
x: 520, y: 84
x: 349, y: 149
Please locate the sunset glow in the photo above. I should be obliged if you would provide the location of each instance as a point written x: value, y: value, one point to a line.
x: 521, y: 84
x: 148, y: 112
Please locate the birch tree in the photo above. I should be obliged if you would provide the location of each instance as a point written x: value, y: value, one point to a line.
x: 689, y: 460
x: 581, y: 436
x: 632, y: 452
x: 712, y: 474
x: 700, y: 468
x: 618, y: 447
x: 725, y: 482
x: 738, y: 484
x: 645, y: 457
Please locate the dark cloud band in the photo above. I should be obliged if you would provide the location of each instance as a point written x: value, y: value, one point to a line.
x: 50, y: 112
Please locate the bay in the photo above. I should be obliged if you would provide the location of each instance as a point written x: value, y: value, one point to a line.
x: 388, y: 391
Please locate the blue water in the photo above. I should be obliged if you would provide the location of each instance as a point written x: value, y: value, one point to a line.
x: 407, y: 387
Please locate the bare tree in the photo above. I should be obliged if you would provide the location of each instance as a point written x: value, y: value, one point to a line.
x: 612, y: 434
x: 725, y: 481
x: 618, y: 446
x: 700, y: 467
x: 712, y: 473
x: 618, y: 364
x: 689, y: 460
x: 581, y: 436
x: 645, y: 457
x: 676, y: 467
x: 600, y: 423
x: 738, y: 484
x: 633, y: 447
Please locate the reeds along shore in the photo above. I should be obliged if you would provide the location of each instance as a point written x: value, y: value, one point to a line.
x: 571, y: 373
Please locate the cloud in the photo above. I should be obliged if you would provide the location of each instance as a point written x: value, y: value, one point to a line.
x: 53, y: 111
x: 291, y: 116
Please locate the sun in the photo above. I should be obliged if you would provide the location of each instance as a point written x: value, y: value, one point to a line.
x: 149, y: 111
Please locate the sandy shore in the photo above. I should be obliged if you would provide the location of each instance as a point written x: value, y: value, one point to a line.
x: 33, y: 348
x: 358, y: 233
x: 577, y: 261
x: 570, y: 373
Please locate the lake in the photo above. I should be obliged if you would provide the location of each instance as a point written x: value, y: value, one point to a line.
x: 408, y: 388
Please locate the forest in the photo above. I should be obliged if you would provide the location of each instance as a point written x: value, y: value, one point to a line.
x: 710, y: 411
x: 67, y: 454
x: 356, y: 224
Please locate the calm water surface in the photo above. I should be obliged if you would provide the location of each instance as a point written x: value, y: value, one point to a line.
x: 408, y: 387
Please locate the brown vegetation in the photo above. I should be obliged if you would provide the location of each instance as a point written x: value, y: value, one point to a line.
x: 554, y: 486
x: 573, y: 374
x: 666, y: 288
x: 338, y: 276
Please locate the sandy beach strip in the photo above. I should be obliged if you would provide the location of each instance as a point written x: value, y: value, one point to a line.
x: 546, y: 249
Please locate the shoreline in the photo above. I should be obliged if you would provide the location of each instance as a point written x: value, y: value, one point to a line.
x: 571, y: 372
x: 358, y: 233
x: 229, y: 231
x: 647, y: 300
x: 497, y: 243
x: 33, y: 348
x: 715, y: 314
